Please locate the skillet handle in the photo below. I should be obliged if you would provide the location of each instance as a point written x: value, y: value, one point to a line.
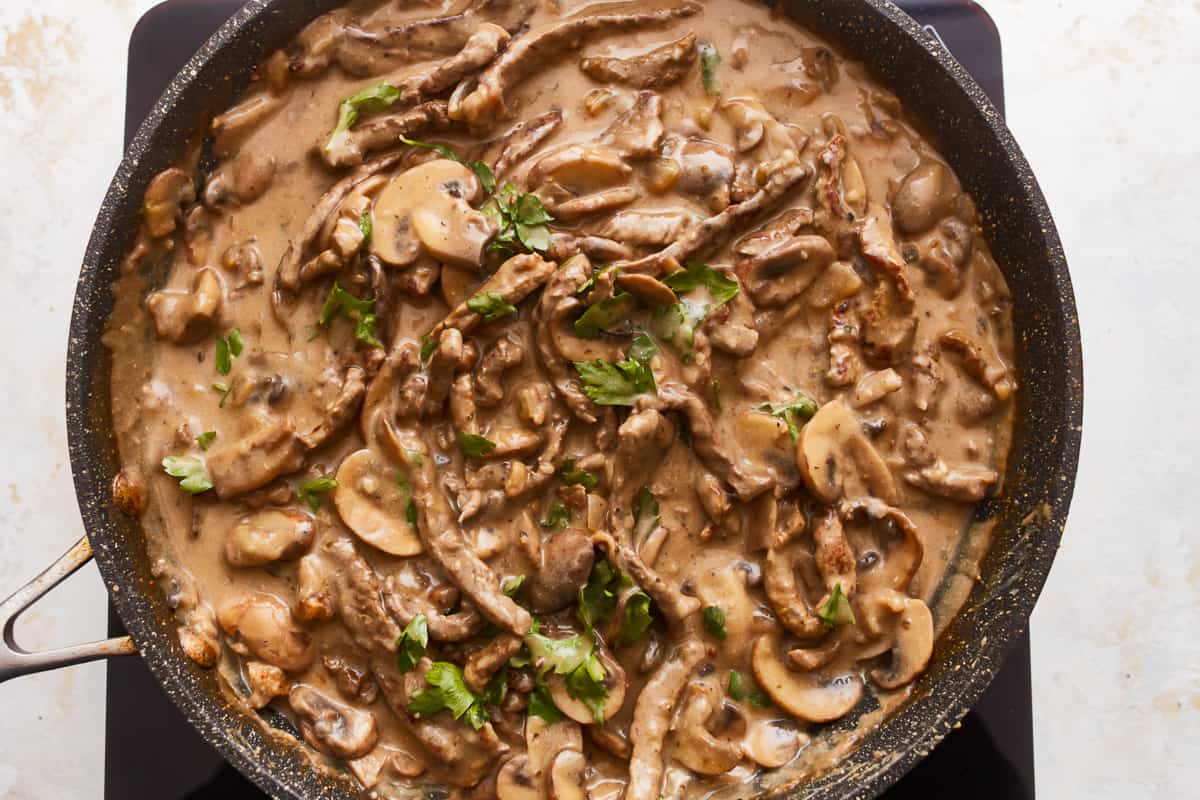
x: 16, y: 661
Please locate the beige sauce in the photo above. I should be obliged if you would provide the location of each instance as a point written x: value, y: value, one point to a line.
x: 784, y: 235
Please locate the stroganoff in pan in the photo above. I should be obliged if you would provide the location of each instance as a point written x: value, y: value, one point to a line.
x: 559, y: 400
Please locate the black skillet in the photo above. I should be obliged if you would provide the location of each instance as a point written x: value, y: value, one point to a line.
x: 1029, y: 518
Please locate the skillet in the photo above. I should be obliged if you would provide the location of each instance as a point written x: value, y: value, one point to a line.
x: 1028, y: 518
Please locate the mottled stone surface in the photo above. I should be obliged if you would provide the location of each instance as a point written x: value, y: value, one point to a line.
x: 1099, y: 98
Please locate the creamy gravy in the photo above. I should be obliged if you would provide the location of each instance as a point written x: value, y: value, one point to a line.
x: 667, y: 475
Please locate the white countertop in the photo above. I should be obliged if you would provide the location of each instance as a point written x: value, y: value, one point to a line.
x: 1102, y: 98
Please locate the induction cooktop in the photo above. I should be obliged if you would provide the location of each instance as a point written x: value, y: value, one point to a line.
x: 152, y: 753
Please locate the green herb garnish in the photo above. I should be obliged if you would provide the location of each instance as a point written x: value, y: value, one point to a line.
x: 512, y: 584
x: 836, y: 611
x: 541, y: 704
x: 720, y: 286
x: 645, y: 514
x: 428, y: 345
x: 491, y: 306
x: 448, y: 690
x: 311, y: 490
x: 760, y: 699
x: 521, y: 219
x: 558, y: 517
x: 410, y: 647
x: 475, y: 446
x: 714, y: 621
x: 598, y: 597
x: 710, y: 59
x: 609, y: 384
x: 341, y: 303
x: 192, y: 472
x: 795, y: 413
x: 371, y: 100
x: 605, y: 315
x: 737, y: 688
x: 205, y: 439
x: 225, y: 390
x: 571, y: 475
x: 228, y: 347
x: 366, y: 226
x: 638, y: 617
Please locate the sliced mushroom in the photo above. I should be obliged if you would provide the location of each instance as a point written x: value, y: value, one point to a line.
x: 912, y: 646
x: 771, y: 744
x: 274, y: 534
x: 515, y: 781
x: 614, y: 681
x: 164, y: 200
x: 332, y: 727
x: 429, y: 208
x: 837, y: 283
x: 836, y: 459
x: 900, y: 559
x: 782, y: 271
x: 566, y: 562
x: 184, y: 317
x: 372, y: 503
x: 567, y: 776
x: 263, y: 625
x: 581, y: 168
x: 695, y: 746
x: 809, y: 697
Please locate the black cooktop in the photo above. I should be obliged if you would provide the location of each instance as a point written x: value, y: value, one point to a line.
x: 154, y: 754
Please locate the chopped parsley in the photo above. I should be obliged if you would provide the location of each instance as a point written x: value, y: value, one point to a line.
x: 541, y: 704
x: 558, y: 517
x: 677, y: 323
x: 638, y: 617
x: 475, y: 446
x: 410, y: 508
x: 598, y: 597
x: 448, y: 690
x: 366, y: 226
x: 371, y: 100
x: 512, y: 584
x: 575, y: 659
x: 836, y: 611
x: 521, y: 219
x: 311, y: 490
x: 491, y: 306
x: 228, y: 347
x: 737, y: 687
x: 609, y: 384
x: 720, y: 287
x: 205, y: 439
x: 645, y: 514
x: 191, y: 471
x: 428, y: 345
x: 341, y: 303
x: 710, y: 59
x: 605, y: 315
x: 795, y: 413
x: 586, y: 684
x: 225, y: 390
x: 714, y: 621
x: 571, y: 475
x: 760, y: 699
x: 410, y: 647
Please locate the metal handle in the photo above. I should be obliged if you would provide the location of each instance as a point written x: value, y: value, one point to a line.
x: 14, y: 660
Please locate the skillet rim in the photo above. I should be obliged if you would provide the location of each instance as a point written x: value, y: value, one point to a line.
x: 280, y: 768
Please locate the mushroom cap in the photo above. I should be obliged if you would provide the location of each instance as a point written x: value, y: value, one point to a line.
x: 429, y: 208
x: 577, y: 710
x: 806, y: 696
x: 925, y: 196
x: 515, y: 781
x: 581, y: 168
x: 567, y: 776
x: 770, y: 744
x: 372, y: 503
x: 263, y: 623
x: 836, y: 459
x: 694, y: 745
x: 269, y: 535
x: 331, y: 726
x: 912, y: 647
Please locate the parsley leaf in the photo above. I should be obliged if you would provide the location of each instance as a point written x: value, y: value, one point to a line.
x: 311, y: 490
x: 586, y: 684
x: 521, y: 218
x: 645, y: 514
x: 371, y: 100
x: 428, y: 345
x: 720, y: 287
x: 366, y: 226
x: 609, y: 384
x: 760, y: 699
x: 561, y: 656
x: 638, y: 617
x: 541, y: 704
x: 557, y: 518
x: 605, y: 315
x: 737, y: 687
x: 225, y: 390
x: 836, y: 611
x: 571, y: 475
x: 677, y: 324
x: 341, y: 303
x: 410, y: 513
x: 192, y: 472
x: 642, y: 348
x: 475, y: 446
x: 410, y: 647
x: 710, y: 59
x: 512, y: 584
x: 227, y: 346
x: 441, y: 149
x: 598, y: 597
x: 491, y: 306
x: 448, y: 691
x: 714, y: 621
x: 205, y: 439
x: 794, y: 413
x: 496, y: 689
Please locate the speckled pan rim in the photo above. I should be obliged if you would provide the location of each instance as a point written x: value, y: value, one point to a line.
x: 1042, y: 467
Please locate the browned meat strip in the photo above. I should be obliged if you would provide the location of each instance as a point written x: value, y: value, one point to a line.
x: 483, y: 663
x: 560, y: 299
x: 652, y: 718
x: 673, y: 603
x: 516, y: 279
x: 359, y: 603
x: 382, y: 132
x: 654, y: 69
x: 524, y: 138
x: 487, y: 102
